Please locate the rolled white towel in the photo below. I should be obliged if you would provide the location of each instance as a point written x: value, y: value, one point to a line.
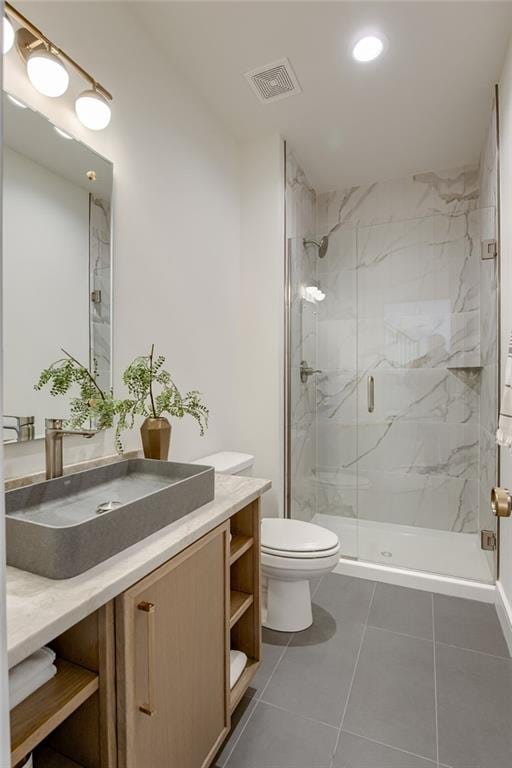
x: 237, y: 664
x: 30, y: 674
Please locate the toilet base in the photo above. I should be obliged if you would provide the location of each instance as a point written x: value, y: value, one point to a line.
x: 288, y: 605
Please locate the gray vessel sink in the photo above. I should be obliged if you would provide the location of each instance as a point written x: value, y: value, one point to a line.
x: 60, y: 528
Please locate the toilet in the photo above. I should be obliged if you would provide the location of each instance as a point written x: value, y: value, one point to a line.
x: 292, y: 553
x: 229, y: 463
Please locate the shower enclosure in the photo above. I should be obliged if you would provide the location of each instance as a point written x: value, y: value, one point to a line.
x: 392, y: 391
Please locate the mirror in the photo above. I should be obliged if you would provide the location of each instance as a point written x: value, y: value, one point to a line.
x: 57, y: 264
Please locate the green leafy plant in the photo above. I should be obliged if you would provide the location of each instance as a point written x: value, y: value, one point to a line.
x: 147, y: 374
x: 142, y: 377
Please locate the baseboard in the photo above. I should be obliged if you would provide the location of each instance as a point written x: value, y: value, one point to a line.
x: 504, y: 609
x: 429, y: 582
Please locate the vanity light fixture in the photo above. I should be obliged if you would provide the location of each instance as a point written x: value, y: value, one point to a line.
x: 93, y: 110
x: 8, y: 34
x: 16, y: 102
x: 62, y: 133
x: 368, y: 48
x: 48, y: 73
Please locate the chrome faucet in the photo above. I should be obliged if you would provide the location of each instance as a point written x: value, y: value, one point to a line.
x: 54, y: 432
x: 23, y: 427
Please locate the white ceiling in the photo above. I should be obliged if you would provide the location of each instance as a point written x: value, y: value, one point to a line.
x: 422, y: 106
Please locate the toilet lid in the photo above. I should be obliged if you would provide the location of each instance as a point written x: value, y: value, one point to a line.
x: 295, y: 536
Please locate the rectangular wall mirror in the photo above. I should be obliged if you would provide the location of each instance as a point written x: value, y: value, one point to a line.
x: 57, y: 264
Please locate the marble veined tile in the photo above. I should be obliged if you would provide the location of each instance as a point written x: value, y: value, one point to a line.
x: 341, y: 295
x: 446, y: 192
x: 430, y: 338
x: 426, y: 501
x: 418, y: 447
x: 337, y: 345
x: 422, y: 394
x: 337, y: 393
x: 300, y: 200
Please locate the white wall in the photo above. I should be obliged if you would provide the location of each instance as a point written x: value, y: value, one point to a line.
x: 505, y: 107
x: 46, y: 279
x: 261, y: 370
x: 176, y: 217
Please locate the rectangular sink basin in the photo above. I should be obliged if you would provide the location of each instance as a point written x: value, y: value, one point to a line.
x: 60, y: 528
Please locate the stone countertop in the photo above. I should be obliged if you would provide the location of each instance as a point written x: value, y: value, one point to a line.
x: 39, y: 609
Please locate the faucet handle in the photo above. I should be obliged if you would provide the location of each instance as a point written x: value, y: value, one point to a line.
x: 53, y: 424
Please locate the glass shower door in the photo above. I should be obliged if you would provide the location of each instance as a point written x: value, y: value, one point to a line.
x: 322, y: 386
x: 420, y: 358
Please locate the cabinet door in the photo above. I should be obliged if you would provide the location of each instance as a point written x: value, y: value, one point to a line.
x: 173, y: 659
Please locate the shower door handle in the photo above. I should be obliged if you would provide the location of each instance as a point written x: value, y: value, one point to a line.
x: 371, y: 394
x: 501, y: 502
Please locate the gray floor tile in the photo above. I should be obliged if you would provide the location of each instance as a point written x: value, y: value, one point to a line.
x: 314, y: 675
x: 355, y: 752
x: 345, y: 598
x: 402, y: 610
x: 468, y: 624
x: 239, y: 719
x: 474, y: 703
x: 272, y: 648
x: 392, y: 698
x: 275, y: 738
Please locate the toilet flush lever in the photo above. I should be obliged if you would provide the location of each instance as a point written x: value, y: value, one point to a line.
x: 501, y: 502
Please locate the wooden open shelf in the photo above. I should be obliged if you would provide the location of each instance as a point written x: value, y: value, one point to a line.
x: 44, y: 757
x: 36, y: 717
x: 240, y: 544
x: 239, y: 603
x: 243, y: 683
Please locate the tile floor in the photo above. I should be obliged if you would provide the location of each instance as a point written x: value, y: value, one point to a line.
x: 386, y: 677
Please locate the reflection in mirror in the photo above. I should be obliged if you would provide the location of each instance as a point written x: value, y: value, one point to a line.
x: 57, y: 263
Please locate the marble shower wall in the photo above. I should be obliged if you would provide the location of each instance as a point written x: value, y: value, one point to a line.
x: 402, y: 279
x: 489, y: 395
x: 100, y: 280
x: 300, y: 223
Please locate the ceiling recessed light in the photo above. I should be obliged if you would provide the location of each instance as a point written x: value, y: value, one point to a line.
x: 17, y: 102
x: 368, y: 48
x: 62, y: 133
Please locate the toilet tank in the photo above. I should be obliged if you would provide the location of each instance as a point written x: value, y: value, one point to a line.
x: 229, y: 462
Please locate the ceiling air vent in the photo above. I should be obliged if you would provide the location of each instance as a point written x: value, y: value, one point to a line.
x: 273, y: 82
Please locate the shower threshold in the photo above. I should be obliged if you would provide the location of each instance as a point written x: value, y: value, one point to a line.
x: 421, y: 558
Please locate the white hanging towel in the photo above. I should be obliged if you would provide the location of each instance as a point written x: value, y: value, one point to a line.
x: 504, y: 433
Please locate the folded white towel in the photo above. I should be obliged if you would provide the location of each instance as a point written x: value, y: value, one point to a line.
x: 30, y: 674
x: 237, y: 664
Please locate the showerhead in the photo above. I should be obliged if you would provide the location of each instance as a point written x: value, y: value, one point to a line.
x: 322, y: 245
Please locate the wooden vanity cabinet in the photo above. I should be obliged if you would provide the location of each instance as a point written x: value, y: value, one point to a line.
x: 172, y: 641
x: 143, y: 682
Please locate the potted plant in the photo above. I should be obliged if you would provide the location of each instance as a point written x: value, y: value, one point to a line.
x: 143, y: 378
x: 152, y: 393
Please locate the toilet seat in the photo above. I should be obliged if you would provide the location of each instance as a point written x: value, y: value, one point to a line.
x: 301, y: 555
x: 297, y: 539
